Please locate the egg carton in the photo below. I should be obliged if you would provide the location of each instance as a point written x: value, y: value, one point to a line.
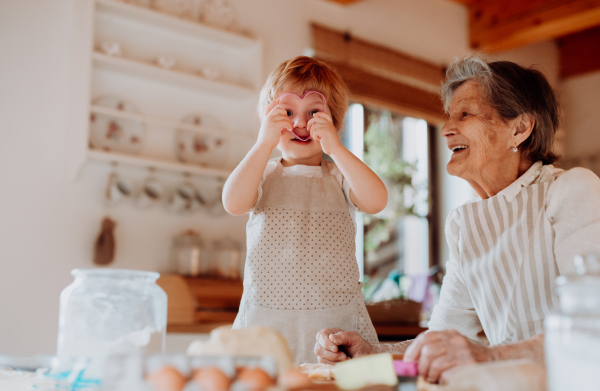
x: 187, y: 366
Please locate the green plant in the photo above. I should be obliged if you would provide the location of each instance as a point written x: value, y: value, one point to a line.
x: 383, y: 140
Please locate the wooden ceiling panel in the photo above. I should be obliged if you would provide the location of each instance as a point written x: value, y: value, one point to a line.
x: 501, y: 25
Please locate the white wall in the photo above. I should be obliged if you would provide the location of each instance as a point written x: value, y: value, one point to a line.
x: 48, y: 223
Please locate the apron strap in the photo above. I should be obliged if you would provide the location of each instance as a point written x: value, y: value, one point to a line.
x: 279, y: 167
x: 324, y: 168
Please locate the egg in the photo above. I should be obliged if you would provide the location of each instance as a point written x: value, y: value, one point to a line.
x: 254, y: 378
x: 211, y: 379
x: 294, y: 378
x: 166, y: 379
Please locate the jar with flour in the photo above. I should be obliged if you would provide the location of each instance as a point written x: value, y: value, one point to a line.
x: 572, y: 332
x: 110, y: 311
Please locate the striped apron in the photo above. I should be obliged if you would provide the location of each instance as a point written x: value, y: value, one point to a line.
x: 507, y: 261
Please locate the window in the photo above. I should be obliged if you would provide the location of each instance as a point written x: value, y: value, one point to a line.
x: 397, y: 149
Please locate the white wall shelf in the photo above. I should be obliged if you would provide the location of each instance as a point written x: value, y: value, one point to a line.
x: 185, y: 80
x: 157, y: 164
x: 168, y: 124
x: 163, y: 96
x: 148, y: 16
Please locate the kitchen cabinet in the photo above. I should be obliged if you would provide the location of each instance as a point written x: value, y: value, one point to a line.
x: 198, y: 305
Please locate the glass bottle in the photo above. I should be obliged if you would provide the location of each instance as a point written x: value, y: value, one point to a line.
x: 572, y: 332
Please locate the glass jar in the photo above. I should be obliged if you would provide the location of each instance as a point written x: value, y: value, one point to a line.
x: 188, y: 255
x: 111, y: 311
x: 572, y: 332
x: 228, y: 256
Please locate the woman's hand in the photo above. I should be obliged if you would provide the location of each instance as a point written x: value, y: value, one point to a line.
x: 275, y: 122
x: 438, y: 352
x: 335, y: 345
x: 322, y: 130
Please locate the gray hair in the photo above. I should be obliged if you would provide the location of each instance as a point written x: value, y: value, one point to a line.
x: 512, y: 90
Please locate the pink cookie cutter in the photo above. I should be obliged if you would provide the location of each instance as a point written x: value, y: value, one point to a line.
x: 302, y: 97
x: 403, y: 368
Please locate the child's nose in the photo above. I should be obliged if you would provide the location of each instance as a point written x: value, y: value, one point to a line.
x: 300, y: 120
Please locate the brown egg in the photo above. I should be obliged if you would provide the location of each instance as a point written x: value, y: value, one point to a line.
x: 294, y: 378
x: 211, y: 379
x: 166, y: 379
x: 254, y: 378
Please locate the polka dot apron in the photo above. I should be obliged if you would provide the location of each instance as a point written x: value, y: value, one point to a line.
x: 301, y: 273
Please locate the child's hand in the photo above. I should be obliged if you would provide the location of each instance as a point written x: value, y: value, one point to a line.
x: 322, y: 130
x: 275, y: 122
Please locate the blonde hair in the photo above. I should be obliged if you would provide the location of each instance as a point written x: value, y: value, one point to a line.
x: 312, y: 75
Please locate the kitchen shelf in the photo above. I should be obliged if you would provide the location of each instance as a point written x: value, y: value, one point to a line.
x: 180, y: 79
x: 157, y: 163
x: 196, y: 30
x: 163, y: 122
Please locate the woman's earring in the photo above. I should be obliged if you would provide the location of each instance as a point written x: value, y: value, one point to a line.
x: 515, y: 149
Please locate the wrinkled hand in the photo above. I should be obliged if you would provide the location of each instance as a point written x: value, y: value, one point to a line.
x: 275, y: 122
x: 322, y: 130
x: 335, y: 345
x: 438, y: 352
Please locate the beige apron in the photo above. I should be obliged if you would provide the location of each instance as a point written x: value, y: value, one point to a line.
x: 301, y: 273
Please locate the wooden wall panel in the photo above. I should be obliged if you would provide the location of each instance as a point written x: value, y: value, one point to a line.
x: 580, y: 53
x: 372, y: 89
x: 381, y: 76
x: 363, y: 54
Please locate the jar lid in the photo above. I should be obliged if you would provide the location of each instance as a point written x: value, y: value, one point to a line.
x: 123, y: 274
x: 189, y: 237
x: 227, y: 244
x: 587, y: 272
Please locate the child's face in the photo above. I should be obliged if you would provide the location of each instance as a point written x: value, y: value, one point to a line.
x: 300, y: 111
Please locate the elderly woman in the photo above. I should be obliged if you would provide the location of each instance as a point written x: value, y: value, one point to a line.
x: 509, y: 244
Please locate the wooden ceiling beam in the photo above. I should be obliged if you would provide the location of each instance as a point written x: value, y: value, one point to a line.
x: 344, y: 2
x: 382, y: 92
x: 580, y: 53
x: 502, y: 25
x: 343, y: 47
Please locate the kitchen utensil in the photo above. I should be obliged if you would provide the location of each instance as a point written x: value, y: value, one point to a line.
x: 150, y: 193
x: 183, y: 198
x: 296, y: 105
x: 118, y: 189
x: 188, y: 254
x: 104, y: 250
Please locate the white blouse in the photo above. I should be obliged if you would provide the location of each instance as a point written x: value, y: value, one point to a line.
x: 474, y: 297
